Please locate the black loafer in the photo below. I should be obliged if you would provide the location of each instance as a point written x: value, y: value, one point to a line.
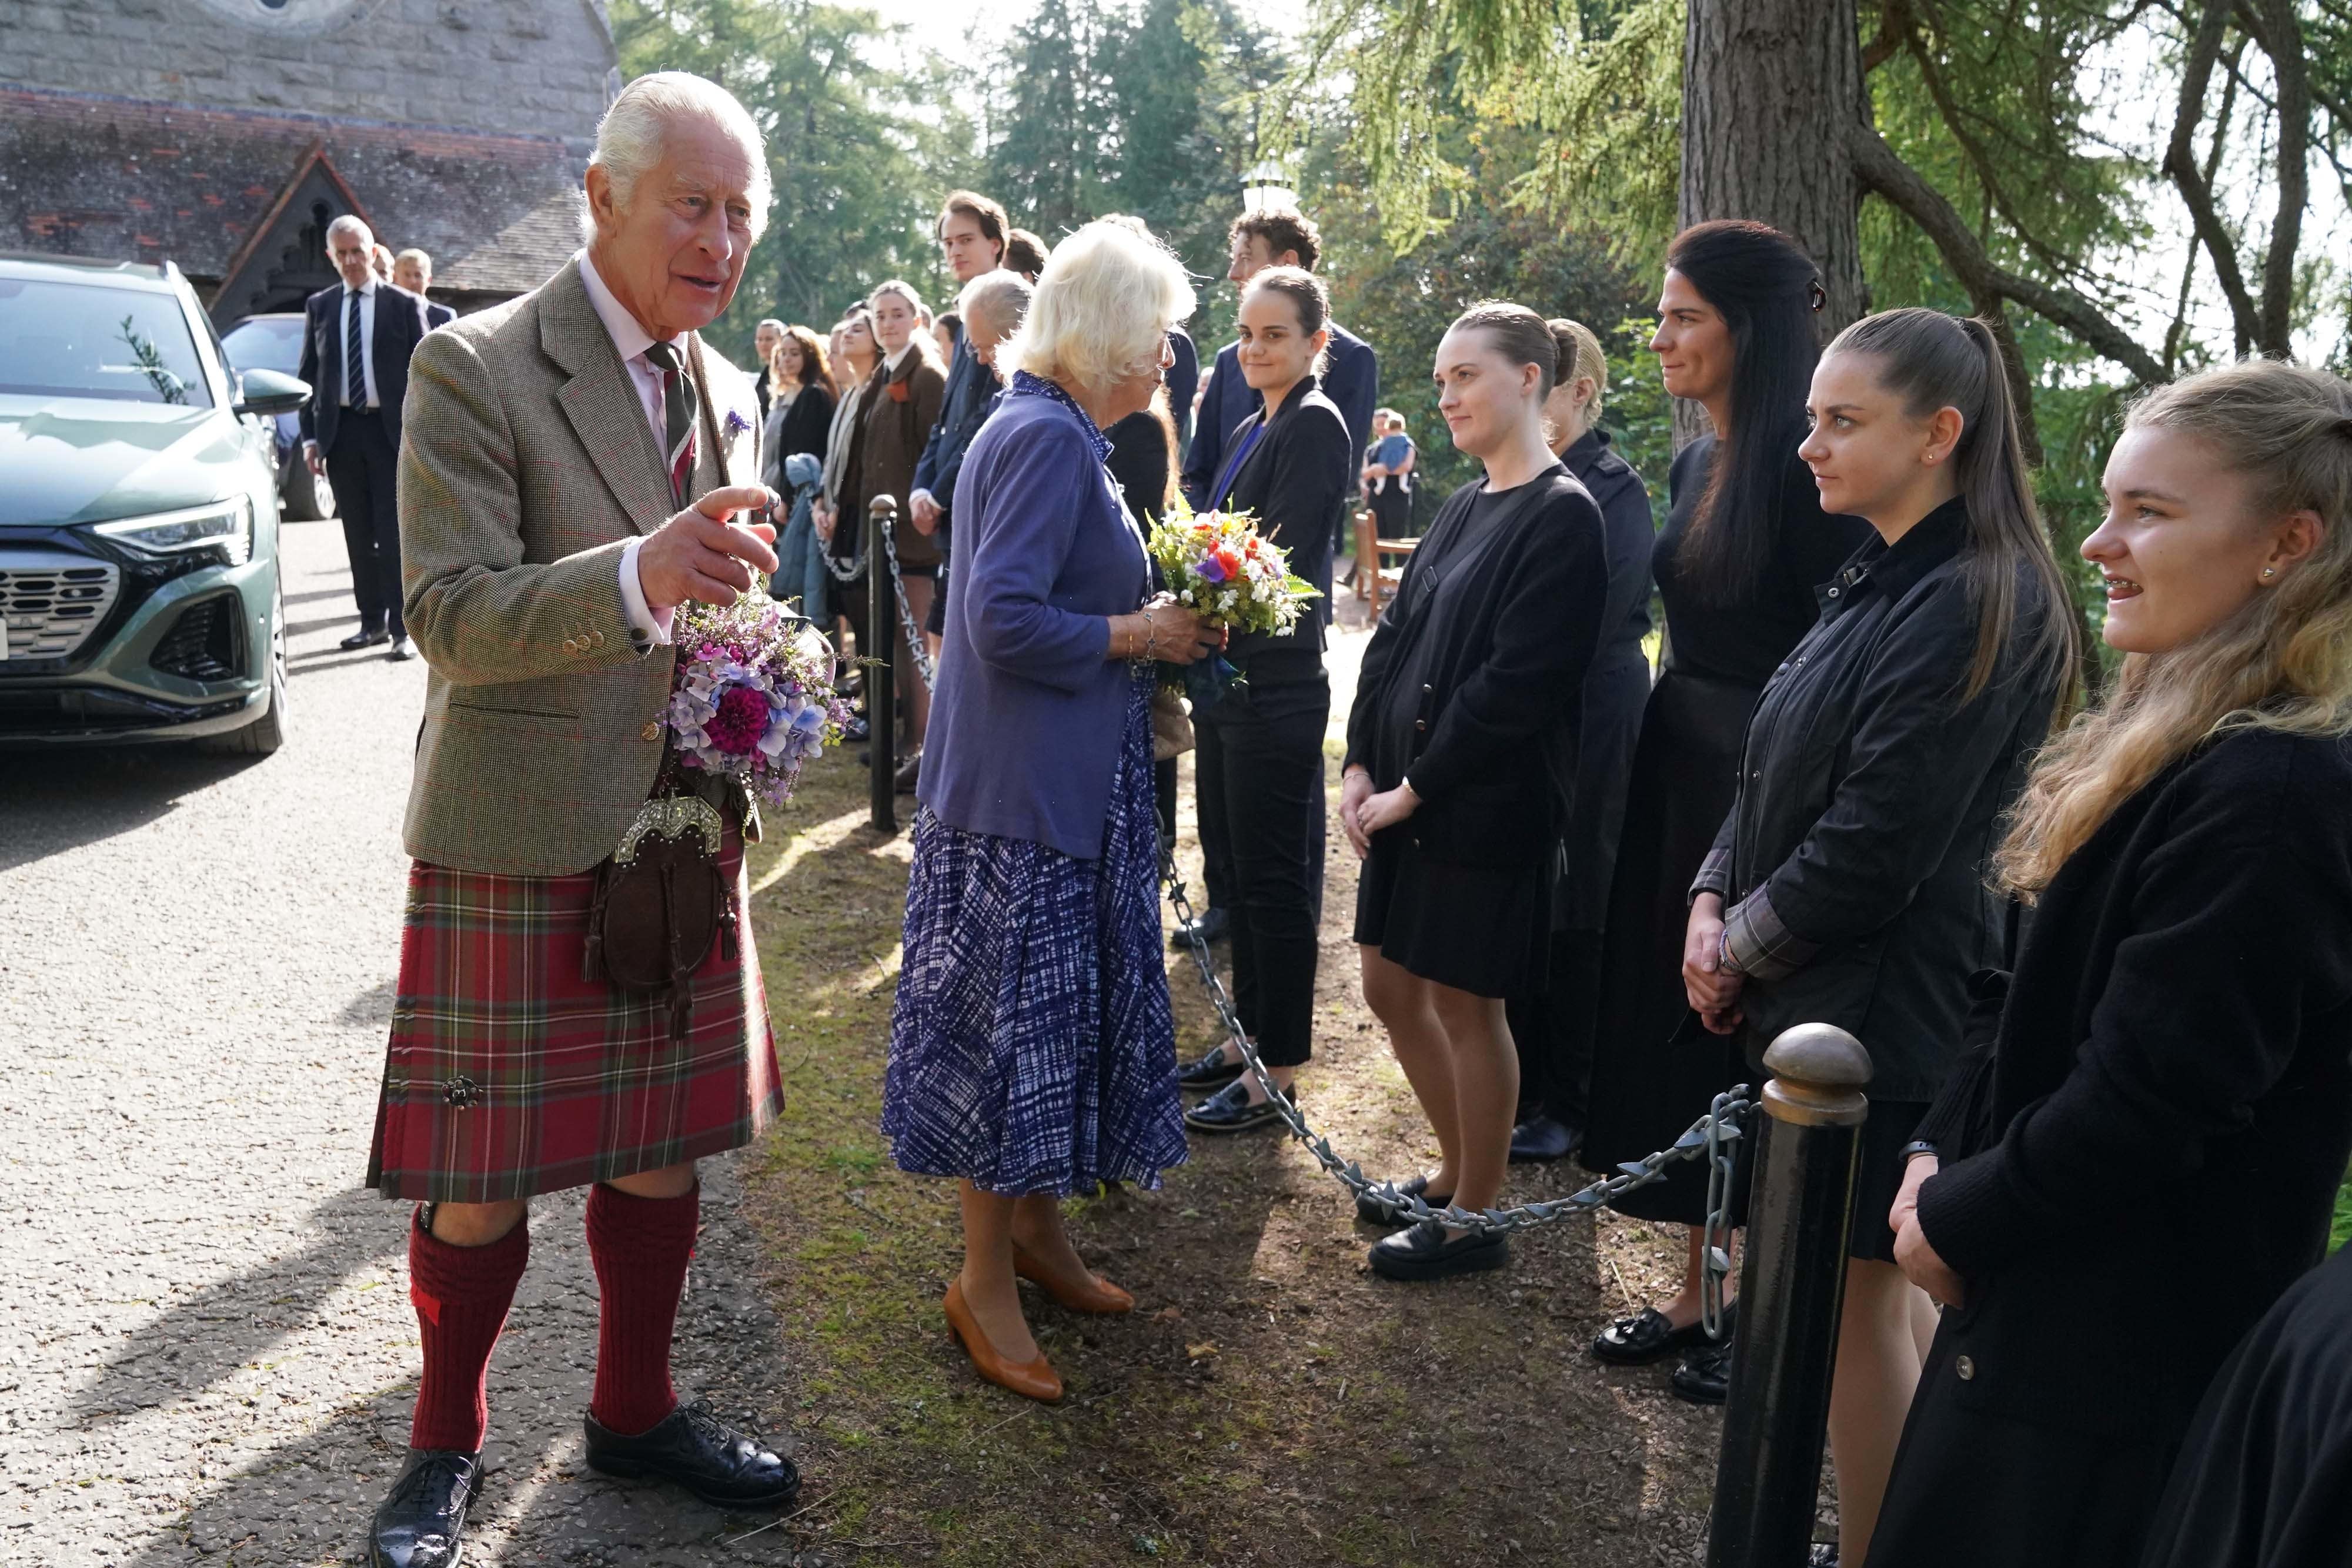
x: 1421, y: 1253
x: 1824, y: 1554
x: 724, y: 1468
x: 1542, y: 1138
x: 1382, y: 1204
x: 857, y: 732
x: 1229, y: 1110
x: 1704, y: 1376
x: 421, y: 1522
x: 364, y: 639
x: 1212, y: 1072
x: 1652, y: 1336
x: 1211, y: 926
x: 402, y: 650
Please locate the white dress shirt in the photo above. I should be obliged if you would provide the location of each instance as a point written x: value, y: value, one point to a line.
x: 630, y: 341
x: 367, y: 343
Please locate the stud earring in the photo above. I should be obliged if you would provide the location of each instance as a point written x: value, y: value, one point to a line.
x: 2270, y: 571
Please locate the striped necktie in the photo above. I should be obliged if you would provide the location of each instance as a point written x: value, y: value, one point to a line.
x: 354, y: 355
x: 678, y: 417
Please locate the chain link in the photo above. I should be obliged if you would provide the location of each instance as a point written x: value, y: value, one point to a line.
x: 915, y: 644
x: 1709, y: 1135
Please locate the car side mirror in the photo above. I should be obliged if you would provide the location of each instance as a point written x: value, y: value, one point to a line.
x: 270, y: 393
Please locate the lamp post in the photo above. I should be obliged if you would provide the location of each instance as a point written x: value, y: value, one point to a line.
x: 1267, y: 185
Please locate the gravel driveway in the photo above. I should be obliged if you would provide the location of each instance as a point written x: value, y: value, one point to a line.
x: 206, y: 1351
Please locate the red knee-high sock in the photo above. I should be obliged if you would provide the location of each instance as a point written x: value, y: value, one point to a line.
x: 462, y: 1294
x: 640, y: 1247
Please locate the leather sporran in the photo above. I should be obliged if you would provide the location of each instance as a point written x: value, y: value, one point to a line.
x: 660, y: 903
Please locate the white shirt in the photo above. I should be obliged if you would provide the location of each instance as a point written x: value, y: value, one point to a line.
x: 630, y: 341
x: 367, y: 342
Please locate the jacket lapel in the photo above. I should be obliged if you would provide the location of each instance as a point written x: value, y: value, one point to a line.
x: 601, y: 402
x: 710, y: 465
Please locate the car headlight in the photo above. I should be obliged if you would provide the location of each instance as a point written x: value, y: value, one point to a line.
x: 223, y: 527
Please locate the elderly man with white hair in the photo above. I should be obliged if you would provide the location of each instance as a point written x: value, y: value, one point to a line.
x: 1033, y: 1052
x: 578, y: 463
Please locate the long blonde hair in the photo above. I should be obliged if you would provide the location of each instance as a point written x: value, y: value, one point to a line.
x: 2283, y: 662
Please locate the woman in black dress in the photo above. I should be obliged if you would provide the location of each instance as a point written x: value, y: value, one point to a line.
x: 2111, y: 1195
x: 1460, y: 760
x: 1848, y: 886
x: 1745, y: 545
x: 1290, y: 466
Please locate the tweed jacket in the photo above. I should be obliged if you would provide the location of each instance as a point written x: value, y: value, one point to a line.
x: 526, y: 467
x: 897, y: 414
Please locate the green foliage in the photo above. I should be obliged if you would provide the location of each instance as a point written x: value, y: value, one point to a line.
x: 2341, y: 1231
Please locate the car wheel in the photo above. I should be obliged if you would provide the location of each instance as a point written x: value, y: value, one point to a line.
x: 307, y: 497
x: 265, y: 735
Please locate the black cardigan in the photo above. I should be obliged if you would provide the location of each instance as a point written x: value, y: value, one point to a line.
x: 2151, y: 1147
x: 1482, y: 700
x: 1617, y: 686
x: 1295, y: 481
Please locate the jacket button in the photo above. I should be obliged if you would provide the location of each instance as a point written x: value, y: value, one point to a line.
x: 1756, y: 776
x: 1834, y: 593
x: 1420, y: 724
x: 1965, y: 1367
x: 570, y: 646
x: 651, y: 732
x: 595, y: 639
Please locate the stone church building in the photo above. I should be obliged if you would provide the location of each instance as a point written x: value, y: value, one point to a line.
x: 225, y: 135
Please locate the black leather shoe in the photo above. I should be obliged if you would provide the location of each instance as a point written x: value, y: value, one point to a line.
x: 422, y: 1522
x: 1421, y: 1253
x: 724, y: 1468
x: 857, y: 732
x: 1229, y: 1110
x: 1704, y: 1376
x: 1211, y: 926
x: 1652, y: 1336
x: 1213, y: 1071
x: 909, y: 775
x: 364, y: 639
x: 1542, y: 1138
x: 1824, y: 1554
x: 402, y: 649
x: 1380, y: 1206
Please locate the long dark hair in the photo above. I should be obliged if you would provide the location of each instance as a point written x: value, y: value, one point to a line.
x: 1932, y: 360
x: 816, y: 369
x: 1766, y: 289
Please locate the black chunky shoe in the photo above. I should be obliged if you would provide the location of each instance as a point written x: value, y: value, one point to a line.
x: 1211, y: 924
x: 1704, y: 1376
x: 724, y: 1468
x: 421, y: 1522
x: 1652, y: 1336
x: 1384, y: 1206
x: 1421, y: 1253
x: 1229, y: 1110
x: 1543, y: 1138
x: 1213, y: 1071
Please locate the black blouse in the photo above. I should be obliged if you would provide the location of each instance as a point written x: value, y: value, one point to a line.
x: 807, y: 425
x: 1744, y: 642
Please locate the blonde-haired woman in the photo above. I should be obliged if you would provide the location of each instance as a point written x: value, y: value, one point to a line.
x: 1033, y: 1054
x: 2109, y: 1195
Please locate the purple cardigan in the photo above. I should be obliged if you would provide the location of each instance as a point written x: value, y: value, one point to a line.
x: 1025, y: 724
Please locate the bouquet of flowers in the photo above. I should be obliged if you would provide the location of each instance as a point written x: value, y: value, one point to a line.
x: 1217, y: 564
x: 754, y: 697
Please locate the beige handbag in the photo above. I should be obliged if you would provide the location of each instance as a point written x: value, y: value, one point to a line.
x: 1171, y: 725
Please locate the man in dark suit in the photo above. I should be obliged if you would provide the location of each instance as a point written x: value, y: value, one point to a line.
x: 355, y: 348
x: 412, y: 270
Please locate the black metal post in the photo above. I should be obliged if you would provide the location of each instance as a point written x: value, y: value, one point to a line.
x: 1791, y: 1288
x: 881, y: 681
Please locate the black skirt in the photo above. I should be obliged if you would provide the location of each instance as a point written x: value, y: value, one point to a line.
x: 1648, y: 1085
x: 1480, y: 928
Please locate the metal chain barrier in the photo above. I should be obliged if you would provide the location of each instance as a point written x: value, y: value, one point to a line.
x: 1710, y: 1136
x: 915, y: 644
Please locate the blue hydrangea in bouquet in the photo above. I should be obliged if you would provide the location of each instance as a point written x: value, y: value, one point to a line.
x: 754, y: 697
x: 1218, y: 565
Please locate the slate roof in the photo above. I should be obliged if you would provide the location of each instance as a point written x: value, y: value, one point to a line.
x: 133, y: 179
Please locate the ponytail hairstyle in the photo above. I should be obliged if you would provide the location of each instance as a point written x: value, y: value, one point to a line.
x: 1579, y: 355
x: 1307, y: 297
x: 1768, y: 291
x: 1932, y: 360
x: 925, y: 347
x: 2283, y: 662
x: 1519, y: 334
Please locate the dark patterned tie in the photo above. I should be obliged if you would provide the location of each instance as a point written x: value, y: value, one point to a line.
x: 354, y: 357
x: 679, y: 410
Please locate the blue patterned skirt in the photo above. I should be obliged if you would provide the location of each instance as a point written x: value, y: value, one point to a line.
x: 1033, y: 1048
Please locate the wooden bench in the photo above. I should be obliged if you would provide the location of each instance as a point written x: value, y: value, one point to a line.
x: 1374, y: 580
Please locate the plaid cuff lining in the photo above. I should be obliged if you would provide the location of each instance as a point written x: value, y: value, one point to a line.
x: 1714, y: 875
x: 1759, y: 945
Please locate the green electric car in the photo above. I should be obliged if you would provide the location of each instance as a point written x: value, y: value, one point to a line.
x: 140, y: 597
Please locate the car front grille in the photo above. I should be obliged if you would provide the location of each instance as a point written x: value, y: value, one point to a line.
x: 52, y: 602
x: 202, y: 644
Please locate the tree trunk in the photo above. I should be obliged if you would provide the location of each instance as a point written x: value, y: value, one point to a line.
x: 1770, y: 91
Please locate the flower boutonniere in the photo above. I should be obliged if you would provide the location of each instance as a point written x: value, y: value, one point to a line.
x: 736, y: 423
x: 902, y: 391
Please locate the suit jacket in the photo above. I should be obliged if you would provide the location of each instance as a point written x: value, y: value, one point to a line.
x: 528, y: 468
x: 898, y: 415
x: 1351, y: 380
x: 399, y: 326
x: 970, y: 387
x: 439, y: 315
x: 1296, y: 482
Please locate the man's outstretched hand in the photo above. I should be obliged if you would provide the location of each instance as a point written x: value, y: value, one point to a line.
x: 701, y: 555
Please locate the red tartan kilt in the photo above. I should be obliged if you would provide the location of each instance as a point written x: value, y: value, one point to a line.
x: 509, y: 1074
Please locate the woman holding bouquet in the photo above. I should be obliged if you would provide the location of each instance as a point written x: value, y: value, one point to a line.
x: 1033, y: 1052
x: 1461, y: 758
x: 1290, y: 466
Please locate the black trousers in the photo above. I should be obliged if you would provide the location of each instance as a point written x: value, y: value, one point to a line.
x: 1553, y: 1031
x: 363, y: 466
x: 1261, y: 786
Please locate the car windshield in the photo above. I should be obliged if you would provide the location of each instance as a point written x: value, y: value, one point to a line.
x: 266, y: 343
x: 90, y: 339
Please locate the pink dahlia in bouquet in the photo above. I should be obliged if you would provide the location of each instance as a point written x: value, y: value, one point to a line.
x: 754, y: 696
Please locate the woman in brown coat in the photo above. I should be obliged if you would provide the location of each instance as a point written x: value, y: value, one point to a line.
x: 898, y: 413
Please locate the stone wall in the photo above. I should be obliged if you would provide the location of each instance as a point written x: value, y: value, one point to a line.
x: 541, y: 67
